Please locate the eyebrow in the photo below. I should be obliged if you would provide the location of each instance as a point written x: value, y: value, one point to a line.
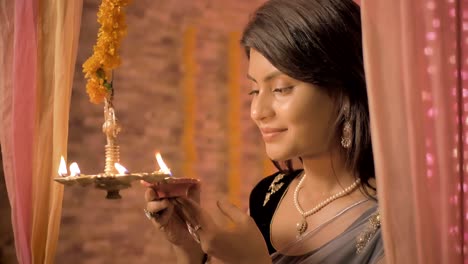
x: 269, y: 77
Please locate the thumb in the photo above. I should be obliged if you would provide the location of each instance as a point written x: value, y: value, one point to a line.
x: 193, y: 192
x: 231, y: 211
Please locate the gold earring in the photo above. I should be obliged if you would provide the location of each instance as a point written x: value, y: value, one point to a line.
x: 347, y: 135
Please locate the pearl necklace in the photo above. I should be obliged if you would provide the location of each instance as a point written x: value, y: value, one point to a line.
x: 302, y: 225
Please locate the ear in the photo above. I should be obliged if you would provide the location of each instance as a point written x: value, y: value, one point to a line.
x: 345, y: 108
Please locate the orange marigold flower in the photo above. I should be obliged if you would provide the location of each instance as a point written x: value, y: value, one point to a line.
x: 98, y: 68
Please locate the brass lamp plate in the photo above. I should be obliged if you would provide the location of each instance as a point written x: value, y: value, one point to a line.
x: 113, y: 183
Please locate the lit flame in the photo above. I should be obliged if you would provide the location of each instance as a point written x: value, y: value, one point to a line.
x: 162, y: 165
x: 62, y: 171
x: 74, y: 169
x: 121, y: 169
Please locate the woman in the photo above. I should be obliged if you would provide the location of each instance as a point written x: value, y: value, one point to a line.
x: 309, y: 101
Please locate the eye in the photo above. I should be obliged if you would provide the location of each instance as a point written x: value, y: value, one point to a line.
x: 283, y: 90
x: 253, y: 92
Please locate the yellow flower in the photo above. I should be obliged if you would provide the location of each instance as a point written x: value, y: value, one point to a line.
x: 96, y: 91
x: 98, y: 68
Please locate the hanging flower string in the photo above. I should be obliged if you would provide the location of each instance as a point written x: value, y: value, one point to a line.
x: 98, y: 68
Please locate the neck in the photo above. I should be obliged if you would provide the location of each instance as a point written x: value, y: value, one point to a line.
x: 327, y: 173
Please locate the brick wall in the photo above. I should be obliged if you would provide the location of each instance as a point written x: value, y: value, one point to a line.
x: 150, y: 106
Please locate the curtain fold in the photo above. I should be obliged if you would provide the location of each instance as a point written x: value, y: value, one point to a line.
x: 39, y: 40
x: 19, y: 125
x: 59, y: 26
x: 7, y: 10
x: 413, y: 68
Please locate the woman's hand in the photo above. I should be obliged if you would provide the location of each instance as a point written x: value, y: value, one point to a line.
x: 170, y: 220
x: 238, y: 240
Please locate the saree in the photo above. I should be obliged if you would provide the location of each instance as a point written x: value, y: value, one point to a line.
x: 361, y: 242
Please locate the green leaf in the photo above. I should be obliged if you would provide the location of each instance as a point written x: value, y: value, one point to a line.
x: 108, y: 86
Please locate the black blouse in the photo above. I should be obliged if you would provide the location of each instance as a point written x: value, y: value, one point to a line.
x: 264, y: 200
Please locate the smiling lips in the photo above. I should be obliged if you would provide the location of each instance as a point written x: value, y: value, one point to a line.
x: 270, y: 134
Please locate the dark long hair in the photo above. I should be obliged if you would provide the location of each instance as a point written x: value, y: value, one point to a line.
x: 319, y: 42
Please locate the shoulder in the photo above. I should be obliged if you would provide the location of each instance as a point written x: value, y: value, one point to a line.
x: 270, y: 187
x: 264, y: 199
x: 264, y: 183
x: 369, y: 241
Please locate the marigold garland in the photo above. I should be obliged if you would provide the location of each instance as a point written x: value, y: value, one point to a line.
x: 98, y: 68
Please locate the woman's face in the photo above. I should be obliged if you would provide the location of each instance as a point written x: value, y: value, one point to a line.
x: 294, y: 117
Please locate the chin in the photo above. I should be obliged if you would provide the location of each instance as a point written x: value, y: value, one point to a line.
x: 279, y: 155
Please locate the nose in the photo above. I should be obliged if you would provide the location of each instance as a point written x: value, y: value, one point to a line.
x: 261, y: 107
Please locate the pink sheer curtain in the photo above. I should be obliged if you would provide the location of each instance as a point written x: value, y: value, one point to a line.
x: 416, y: 71
x: 38, y: 44
x: 19, y: 50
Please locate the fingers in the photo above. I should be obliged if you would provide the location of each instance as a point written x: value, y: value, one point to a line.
x: 164, y: 210
x: 145, y: 183
x: 193, y: 213
x: 194, y: 192
x: 199, y: 223
x: 231, y: 211
x: 189, y: 207
x: 151, y: 195
x: 187, y: 214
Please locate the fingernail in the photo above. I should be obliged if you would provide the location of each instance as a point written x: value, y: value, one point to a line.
x: 144, y: 183
x: 155, y: 195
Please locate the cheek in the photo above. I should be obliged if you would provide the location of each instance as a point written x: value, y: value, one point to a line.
x: 297, y: 116
x: 310, y: 124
